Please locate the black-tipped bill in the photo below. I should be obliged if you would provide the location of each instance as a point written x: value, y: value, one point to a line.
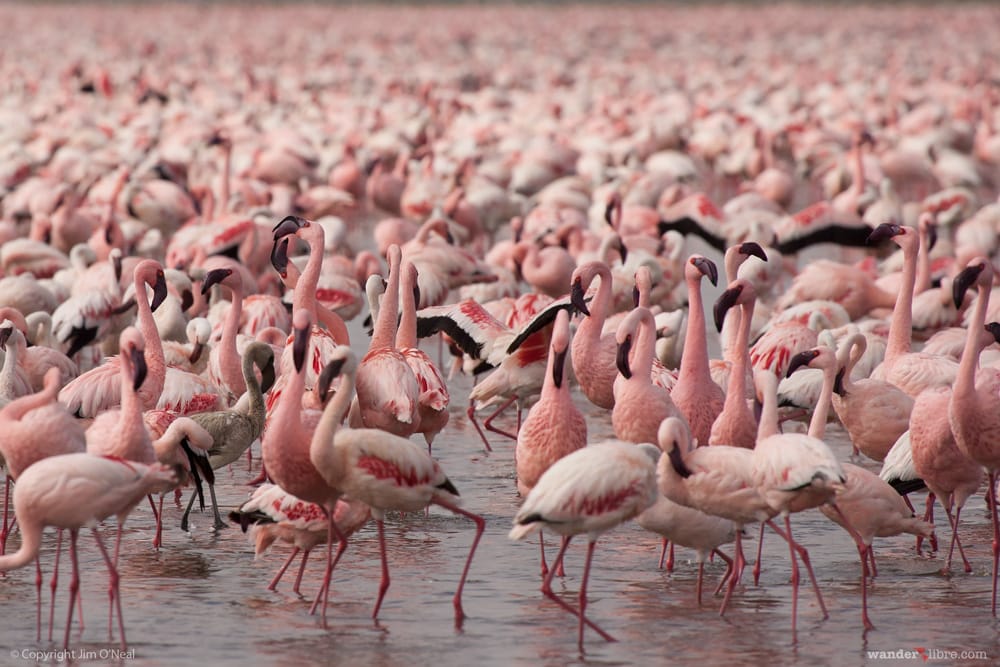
x: 624, y: 348
x: 707, y: 268
x: 932, y: 235
x: 196, y: 352
x: 838, y: 382
x: 5, y: 334
x: 559, y: 367
x: 300, y: 346
x: 267, y: 375
x: 214, y: 277
x: 288, y: 226
x: 159, y: 291
x: 754, y: 249
x: 801, y: 359
x: 327, y: 376
x: 279, y: 257
x: 576, y: 297
x: 636, y: 294
x: 994, y: 328
x: 139, y: 368
x: 963, y: 281
x: 883, y: 232
x: 725, y: 301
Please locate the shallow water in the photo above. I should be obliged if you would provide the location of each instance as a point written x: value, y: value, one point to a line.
x: 202, y: 596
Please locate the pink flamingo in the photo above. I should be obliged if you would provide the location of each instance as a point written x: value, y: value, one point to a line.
x: 974, y: 409
x: 555, y: 427
x: 736, y: 425
x: 224, y: 364
x: 273, y: 514
x: 38, y: 359
x: 382, y: 470
x: 72, y: 491
x: 548, y: 270
x: 285, y: 447
x: 589, y: 491
x: 640, y: 405
x: 388, y: 392
x: 593, y: 351
x: 100, y: 389
x: 698, y: 398
x: 432, y: 402
x: 951, y: 476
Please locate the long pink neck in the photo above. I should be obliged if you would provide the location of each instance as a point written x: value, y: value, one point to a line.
x: 736, y: 387
x: 229, y: 358
x: 322, y: 449
x: 901, y: 327
x: 326, y: 317
x: 305, y: 288
x: 965, y: 383
x: 642, y: 357
x: 19, y: 407
x: 817, y: 425
x: 156, y: 364
x: 406, y: 336
x: 694, y: 361
x: 382, y: 336
x: 31, y: 541
x: 286, y: 418
x: 768, y: 424
x: 591, y: 326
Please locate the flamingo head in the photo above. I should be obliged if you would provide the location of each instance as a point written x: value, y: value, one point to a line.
x: 974, y: 272
x: 214, y: 277
x: 576, y: 296
x: 740, y: 291
x: 706, y: 267
x: 159, y: 290
x: 133, y: 347
x: 343, y: 362
x: 621, y: 359
x: 5, y: 334
x: 302, y: 323
x: 750, y: 248
x: 886, y: 230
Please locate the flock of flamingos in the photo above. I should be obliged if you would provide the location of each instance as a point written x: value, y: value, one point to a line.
x: 187, y: 226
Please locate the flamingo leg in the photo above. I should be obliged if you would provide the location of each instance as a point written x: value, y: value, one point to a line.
x: 74, y: 584
x: 560, y: 566
x: 549, y: 593
x: 729, y: 570
x: 541, y: 545
x: 471, y: 414
x: 219, y: 523
x: 488, y: 422
x: 480, y: 528
x: 804, y: 555
x: 697, y: 586
x: 928, y: 517
x: 38, y: 591
x: 384, y: 583
x: 670, y: 558
x: 331, y: 562
x: 956, y: 541
x: 5, y: 529
x: 261, y: 478
x: 583, y: 597
x: 663, y: 553
x: 863, y: 550
x: 760, y: 550
x: 113, y: 587
x: 873, y: 572
x: 281, y: 571
x: 991, y: 500
x: 737, y: 567
x: 187, y: 511
x: 158, y: 540
x: 302, y: 569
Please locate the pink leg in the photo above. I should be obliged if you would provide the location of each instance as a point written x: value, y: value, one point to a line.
x: 74, y: 584
x: 863, y: 555
x: 760, y: 549
x: 697, y: 586
x: 541, y: 545
x: 302, y: 569
x: 583, y: 596
x: 549, y: 593
x: 158, y: 540
x: 281, y: 571
x: 559, y: 567
x: 737, y: 568
x: 53, y: 584
x: 384, y: 583
x: 113, y: 587
x: 471, y: 414
x: 663, y: 552
x: 480, y: 528
x: 261, y: 478
x: 729, y: 570
x: 955, y: 540
x: 804, y: 555
x: 873, y: 571
x: 488, y: 422
x: 991, y: 500
x: 38, y: 591
x: 670, y: 558
x: 156, y: 515
x: 5, y: 529
x: 331, y: 562
x: 928, y: 517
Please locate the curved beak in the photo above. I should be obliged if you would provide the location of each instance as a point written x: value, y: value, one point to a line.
x: 159, y: 291
x: 963, y: 281
x: 932, y: 235
x: 621, y: 360
x: 279, y: 257
x: 635, y: 297
x: 799, y: 360
x: 838, y: 383
x: 751, y: 248
x: 994, y: 328
x: 708, y: 268
x: 558, y: 367
x: 622, y: 251
x: 289, y: 225
x: 196, y: 352
x: 138, y: 368
x: 5, y: 335
x: 330, y: 372
x: 300, y: 346
x: 884, y: 231
x: 577, y: 299
x: 725, y: 301
x: 267, y: 375
x: 214, y: 277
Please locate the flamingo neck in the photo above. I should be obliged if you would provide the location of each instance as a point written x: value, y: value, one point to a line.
x: 736, y: 387
x: 591, y: 326
x: 922, y: 279
x: 817, y: 425
x: 965, y: 382
x: 642, y: 358
x: 305, y: 287
x: 322, y: 448
x: 694, y: 361
x: 258, y: 409
x: 229, y: 358
x: 768, y: 425
x: 19, y: 407
x: 406, y: 336
x: 31, y: 541
x: 901, y: 326
x: 382, y: 334
x: 8, y: 373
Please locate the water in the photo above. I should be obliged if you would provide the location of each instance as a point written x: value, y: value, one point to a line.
x: 202, y: 597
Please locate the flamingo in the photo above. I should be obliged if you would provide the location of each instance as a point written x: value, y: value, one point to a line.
x: 71, y: 491
x: 382, y: 470
x: 974, y: 409
x: 590, y: 491
x: 555, y: 427
x: 736, y: 425
x: 273, y: 514
x: 697, y: 397
x: 593, y: 351
x: 223, y: 359
x: 99, y: 389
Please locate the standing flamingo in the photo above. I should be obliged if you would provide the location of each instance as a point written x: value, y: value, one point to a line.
x: 593, y: 351
x: 223, y: 360
x: 974, y: 409
x: 736, y: 425
x: 382, y: 470
x: 589, y: 491
x: 555, y: 427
